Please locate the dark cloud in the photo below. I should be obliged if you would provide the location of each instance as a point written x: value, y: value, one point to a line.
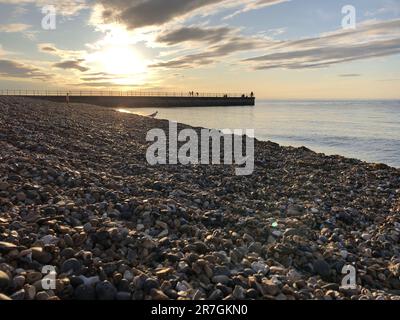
x: 213, y: 53
x: 142, y: 13
x: 16, y: 69
x: 367, y: 41
x: 48, y: 49
x: 71, y: 64
x: 326, y: 56
x: 99, y: 78
x: 211, y: 35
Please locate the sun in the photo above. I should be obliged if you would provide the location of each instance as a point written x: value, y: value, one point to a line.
x: 122, y: 60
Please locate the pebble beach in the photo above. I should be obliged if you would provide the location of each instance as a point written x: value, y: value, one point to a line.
x: 77, y: 193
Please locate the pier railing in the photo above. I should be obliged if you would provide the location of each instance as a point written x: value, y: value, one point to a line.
x: 111, y: 93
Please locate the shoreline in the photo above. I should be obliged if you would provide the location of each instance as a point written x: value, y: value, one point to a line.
x: 76, y: 193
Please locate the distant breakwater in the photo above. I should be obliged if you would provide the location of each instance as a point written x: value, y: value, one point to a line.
x: 153, y: 101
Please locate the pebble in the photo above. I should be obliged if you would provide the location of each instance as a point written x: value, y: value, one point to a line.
x: 158, y: 295
x: 221, y: 279
x: 3, y: 297
x: 5, y: 281
x: 7, y: 247
x: 216, y: 295
x: 322, y: 268
x: 30, y: 292
x: 40, y: 255
x: 18, y: 281
x: 239, y: 293
x: 71, y: 265
x: 42, y: 295
x: 105, y: 291
x: 18, y: 295
x: 366, y: 236
x: 85, y: 292
x: 118, y: 229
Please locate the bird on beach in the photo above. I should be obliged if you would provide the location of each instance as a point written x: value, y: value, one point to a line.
x: 153, y: 115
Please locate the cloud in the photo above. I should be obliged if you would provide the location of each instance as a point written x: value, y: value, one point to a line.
x: 369, y: 40
x: 212, y: 54
x: 14, y: 69
x: 64, y: 8
x: 14, y: 27
x: 71, y: 64
x: 185, y: 34
x: 50, y: 48
x: 138, y: 13
x: 255, y: 5
x: 144, y: 13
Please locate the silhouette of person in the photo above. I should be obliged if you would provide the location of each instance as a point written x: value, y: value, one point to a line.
x: 67, y: 99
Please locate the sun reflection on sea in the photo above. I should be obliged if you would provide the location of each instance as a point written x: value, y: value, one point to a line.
x: 139, y: 113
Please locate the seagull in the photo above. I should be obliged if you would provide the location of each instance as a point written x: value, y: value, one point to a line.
x: 153, y: 115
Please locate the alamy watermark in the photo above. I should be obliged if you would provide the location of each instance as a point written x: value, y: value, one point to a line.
x: 349, y: 281
x: 50, y: 276
x: 349, y: 20
x: 191, y: 153
x: 49, y: 21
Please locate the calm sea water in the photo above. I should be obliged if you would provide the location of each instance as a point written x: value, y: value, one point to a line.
x: 367, y: 130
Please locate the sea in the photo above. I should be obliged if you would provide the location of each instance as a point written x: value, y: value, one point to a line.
x: 366, y: 130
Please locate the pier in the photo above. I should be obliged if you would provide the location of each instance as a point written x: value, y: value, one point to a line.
x: 139, y: 99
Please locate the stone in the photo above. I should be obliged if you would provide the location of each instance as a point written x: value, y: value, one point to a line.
x: 255, y: 247
x: 291, y: 232
x: 201, y: 247
x: 4, y: 186
x: 216, y: 295
x: 6, y: 247
x: 164, y: 272
x: 49, y: 239
x: 123, y: 296
x: 260, y: 267
x: 239, y: 293
x: 18, y: 282
x: 42, y: 295
x: 322, y: 268
x: 5, y: 280
x: 30, y: 292
x: 150, y: 284
x: 128, y: 275
x: 33, y: 277
x: 162, y: 224
x: 270, y: 288
x: 105, y: 291
x: 85, y: 292
x: 366, y: 236
x: 158, y: 295
x: 18, y: 295
x: 72, y: 266
x: 294, y: 210
x: 40, y: 255
x: 3, y: 297
x: 221, y: 279
x: 21, y: 196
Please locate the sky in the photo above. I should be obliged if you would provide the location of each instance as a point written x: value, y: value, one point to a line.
x: 279, y: 49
